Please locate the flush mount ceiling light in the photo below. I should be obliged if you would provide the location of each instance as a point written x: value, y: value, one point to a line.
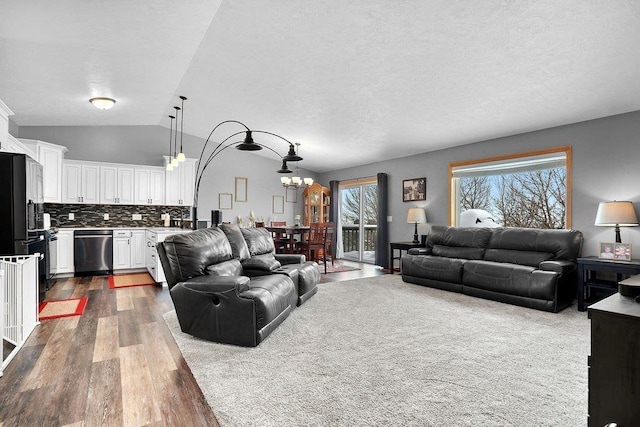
x: 102, y: 103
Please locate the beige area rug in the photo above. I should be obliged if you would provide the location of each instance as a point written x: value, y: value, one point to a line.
x: 55, y: 309
x: 382, y: 352
x: 127, y: 280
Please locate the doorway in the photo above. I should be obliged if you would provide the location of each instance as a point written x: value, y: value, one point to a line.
x: 358, y: 224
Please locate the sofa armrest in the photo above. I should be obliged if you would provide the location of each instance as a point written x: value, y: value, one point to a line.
x: 561, y: 267
x: 260, y: 263
x: 419, y: 251
x: 291, y: 258
x: 211, y: 285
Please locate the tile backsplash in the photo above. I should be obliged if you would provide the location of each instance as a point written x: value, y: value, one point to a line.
x: 119, y: 215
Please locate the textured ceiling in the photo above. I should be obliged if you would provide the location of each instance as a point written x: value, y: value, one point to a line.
x: 370, y: 80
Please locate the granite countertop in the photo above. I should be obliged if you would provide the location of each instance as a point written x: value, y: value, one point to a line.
x: 157, y: 229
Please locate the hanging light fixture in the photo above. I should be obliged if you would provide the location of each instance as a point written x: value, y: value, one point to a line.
x: 102, y: 103
x: 169, y: 165
x: 295, y: 181
x: 181, y: 157
x: 174, y: 159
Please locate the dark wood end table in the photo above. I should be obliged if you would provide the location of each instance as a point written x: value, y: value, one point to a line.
x: 588, y: 269
x: 400, y: 246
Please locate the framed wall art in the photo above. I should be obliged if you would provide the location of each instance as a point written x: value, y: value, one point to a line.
x: 278, y: 205
x: 292, y: 195
x: 241, y: 189
x: 414, y: 189
x: 225, y: 201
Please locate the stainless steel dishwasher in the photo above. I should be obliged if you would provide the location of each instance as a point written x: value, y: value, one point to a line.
x: 93, y: 251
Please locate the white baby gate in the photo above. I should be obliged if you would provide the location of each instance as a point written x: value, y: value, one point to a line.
x: 18, y: 301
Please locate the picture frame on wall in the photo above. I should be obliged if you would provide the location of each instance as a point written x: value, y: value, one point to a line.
x: 225, y: 201
x: 291, y: 195
x: 414, y: 189
x: 241, y: 189
x: 278, y: 205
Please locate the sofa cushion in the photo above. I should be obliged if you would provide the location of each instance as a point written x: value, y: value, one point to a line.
x: 191, y: 253
x: 511, y: 279
x: 433, y: 267
x: 259, y: 240
x: 271, y: 295
x: 266, y: 262
x: 562, y: 244
x: 532, y: 259
x: 236, y: 240
x: 231, y: 267
x: 458, y: 242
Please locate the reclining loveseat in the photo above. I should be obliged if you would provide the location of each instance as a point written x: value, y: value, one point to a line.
x: 228, y: 285
x: 528, y: 267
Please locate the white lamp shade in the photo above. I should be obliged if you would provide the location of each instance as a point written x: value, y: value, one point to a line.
x: 296, y: 180
x: 285, y: 180
x: 174, y: 162
x: 616, y: 213
x: 181, y: 157
x: 308, y: 181
x: 417, y: 216
x: 169, y: 166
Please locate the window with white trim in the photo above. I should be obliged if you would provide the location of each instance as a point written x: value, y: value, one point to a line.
x: 529, y: 190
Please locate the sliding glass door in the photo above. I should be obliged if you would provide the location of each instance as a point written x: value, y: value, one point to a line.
x: 358, y: 220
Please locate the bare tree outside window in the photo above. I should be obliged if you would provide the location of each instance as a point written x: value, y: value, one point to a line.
x: 534, y: 199
x: 350, y: 210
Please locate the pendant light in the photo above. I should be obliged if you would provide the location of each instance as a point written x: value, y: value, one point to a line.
x: 169, y: 165
x: 181, y: 157
x: 174, y: 159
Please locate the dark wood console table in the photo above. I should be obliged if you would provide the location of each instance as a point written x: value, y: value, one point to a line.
x: 614, y: 365
x: 588, y: 269
x: 400, y: 246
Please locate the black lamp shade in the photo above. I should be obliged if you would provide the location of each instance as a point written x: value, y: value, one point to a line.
x: 249, y: 144
x: 285, y: 168
x: 292, y: 156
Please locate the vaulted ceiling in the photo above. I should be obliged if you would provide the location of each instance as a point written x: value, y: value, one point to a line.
x: 352, y: 81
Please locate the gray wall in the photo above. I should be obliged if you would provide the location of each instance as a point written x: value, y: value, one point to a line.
x: 606, y: 155
x: 145, y: 145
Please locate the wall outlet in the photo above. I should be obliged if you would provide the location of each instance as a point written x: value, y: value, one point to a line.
x: 105, y: 217
x: 136, y: 217
x: 72, y: 216
x: 389, y: 218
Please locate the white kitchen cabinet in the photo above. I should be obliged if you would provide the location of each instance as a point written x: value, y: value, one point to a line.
x: 154, y: 267
x: 50, y: 156
x: 116, y: 184
x: 121, y: 249
x: 64, y: 256
x: 180, y: 182
x: 5, y: 112
x: 149, y: 186
x: 138, y: 249
x: 80, y: 182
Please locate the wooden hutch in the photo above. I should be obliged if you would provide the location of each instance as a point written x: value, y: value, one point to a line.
x: 317, y: 203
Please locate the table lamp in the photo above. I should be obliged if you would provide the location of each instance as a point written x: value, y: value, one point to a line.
x: 416, y: 216
x: 616, y: 214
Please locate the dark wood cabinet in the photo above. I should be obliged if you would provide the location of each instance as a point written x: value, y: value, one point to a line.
x: 614, y: 363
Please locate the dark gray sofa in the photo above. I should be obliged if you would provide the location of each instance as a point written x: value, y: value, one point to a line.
x: 528, y: 267
x: 224, y: 294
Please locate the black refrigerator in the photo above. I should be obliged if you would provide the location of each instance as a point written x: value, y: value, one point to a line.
x: 21, y: 210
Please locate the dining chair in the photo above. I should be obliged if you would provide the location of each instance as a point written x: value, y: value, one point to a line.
x: 313, y: 244
x: 259, y: 224
x: 280, y: 239
x: 328, y: 244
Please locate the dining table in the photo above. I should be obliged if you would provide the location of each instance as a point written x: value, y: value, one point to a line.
x: 291, y: 231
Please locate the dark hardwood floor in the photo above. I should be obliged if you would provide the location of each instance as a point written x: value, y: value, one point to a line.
x: 115, y: 365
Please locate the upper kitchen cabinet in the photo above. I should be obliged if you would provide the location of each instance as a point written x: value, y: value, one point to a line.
x: 149, y: 186
x: 80, y: 182
x: 116, y: 184
x: 50, y: 156
x: 180, y: 182
x: 5, y: 112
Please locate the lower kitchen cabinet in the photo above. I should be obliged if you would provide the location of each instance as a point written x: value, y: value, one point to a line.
x: 64, y: 257
x: 128, y: 249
